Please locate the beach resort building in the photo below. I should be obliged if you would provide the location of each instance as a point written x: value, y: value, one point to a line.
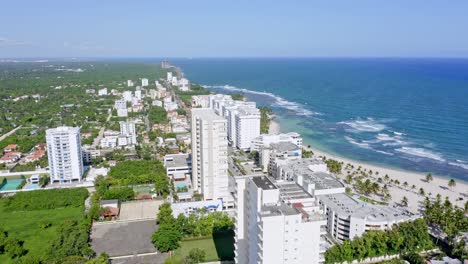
x: 270, y: 154
x: 269, y: 230
x: 144, y: 82
x: 349, y: 217
x: 64, y: 153
x: 209, y: 155
x: 265, y: 140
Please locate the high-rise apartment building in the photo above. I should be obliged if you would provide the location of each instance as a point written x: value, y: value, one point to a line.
x: 209, y: 154
x: 276, y: 224
x: 64, y: 153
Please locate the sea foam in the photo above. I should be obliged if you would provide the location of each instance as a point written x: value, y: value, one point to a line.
x: 360, y: 125
x: 279, y: 101
x: 421, y: 152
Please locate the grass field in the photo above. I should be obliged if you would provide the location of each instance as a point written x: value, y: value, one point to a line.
x: 26, y: 226
x: 219, y: 248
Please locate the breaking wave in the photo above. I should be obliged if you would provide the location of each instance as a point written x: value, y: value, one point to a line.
x: 279, y: 101
x: 422, y: 153
x: 366, y: 125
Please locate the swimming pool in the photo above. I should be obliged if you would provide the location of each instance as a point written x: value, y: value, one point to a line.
x: 31, y: 186
x: 180, y: 185
x: 11, y: 184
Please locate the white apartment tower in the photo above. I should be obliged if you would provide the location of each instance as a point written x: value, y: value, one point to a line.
x: 64, y: 153
x: 209, y: 154
x: 270, y: 231
x: 127, y: 129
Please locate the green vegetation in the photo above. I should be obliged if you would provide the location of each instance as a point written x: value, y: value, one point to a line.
x: 238, y: 96
x: 334, y: 166
x: 181, y: 111
x: 404, y: 238
x: 449, y: 218
x: 45, y: 199
x: 265, y: 120
x: 195, y: 89
x: 26, y: 139
x: 51, y: 224
x: 205, y: 228
x: 131, y: 172
x: 307, y: 153
x: 60, y: 88
x: 157, y: 115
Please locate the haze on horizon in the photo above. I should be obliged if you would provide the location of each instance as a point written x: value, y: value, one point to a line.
x: 234, y: 28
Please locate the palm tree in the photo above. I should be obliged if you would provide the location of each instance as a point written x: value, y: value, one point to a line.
x: 421, y: 191
x: 405, y: 184
x: 349, y: 178
x: 429, y: 177
x: 451, y: 183
x: 387, y: 197
x: 386, y: 178
x: 413, y: 186
x: 404, y: 201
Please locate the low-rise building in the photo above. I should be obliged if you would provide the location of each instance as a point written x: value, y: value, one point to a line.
x: 265, y: 140
x: 348, y: 217
x: 10, y: 157
x: 187, y: 208
x: 10, y: 148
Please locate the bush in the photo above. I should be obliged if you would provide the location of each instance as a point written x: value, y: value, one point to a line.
x: 46, y: 199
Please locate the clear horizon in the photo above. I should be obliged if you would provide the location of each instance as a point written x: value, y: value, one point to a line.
x: 241, y: 29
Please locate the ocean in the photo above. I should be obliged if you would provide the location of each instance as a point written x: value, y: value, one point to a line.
x: 409, y: 114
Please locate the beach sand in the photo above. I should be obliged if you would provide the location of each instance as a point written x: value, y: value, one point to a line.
x: 439, y: 185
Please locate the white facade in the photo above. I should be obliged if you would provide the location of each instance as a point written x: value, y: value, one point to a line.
x: 202, y: 101
x: 348, y: 217
x: 271, y: 231
x: 209, y: 154
x: 64, y: 153
x: 127, y: 96
x: 169, y: 76
x: 247, y: 123
x: 243, y: 119
x: 120, y: 104
x: 128, y: 130
x: 265, y: 140
x: 122, y: 112
x: 102, y: 92
x: 130, y: 83
x: 144, y: 82
x: 138, y: 95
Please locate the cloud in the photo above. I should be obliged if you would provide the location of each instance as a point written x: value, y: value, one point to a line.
x: 11, y: 42
x: 84, y: 46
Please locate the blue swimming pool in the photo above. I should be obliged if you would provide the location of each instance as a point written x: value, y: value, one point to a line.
x: 31, y: 186
x: 180, y: 185
x: 10, y: 184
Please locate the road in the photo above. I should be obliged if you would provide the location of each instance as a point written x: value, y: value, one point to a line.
x: 101, y: 132
x: 9, y: 133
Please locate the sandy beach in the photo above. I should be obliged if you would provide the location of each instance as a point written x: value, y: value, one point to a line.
x: 458, y: 195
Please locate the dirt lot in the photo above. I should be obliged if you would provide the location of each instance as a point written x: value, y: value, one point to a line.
x: 145, y: 209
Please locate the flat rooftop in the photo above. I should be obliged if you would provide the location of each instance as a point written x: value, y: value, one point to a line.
x: 346, y: 205
x: 281, y: 209
x: 284, y: 146
x: 178, y: 160
x: 264, y: 183
x: 291, y: 191
x: 321, y: 180
x: 207, y: 114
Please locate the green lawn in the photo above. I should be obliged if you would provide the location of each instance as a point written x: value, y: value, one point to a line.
x: 219, y: 248
x: 25, y: 225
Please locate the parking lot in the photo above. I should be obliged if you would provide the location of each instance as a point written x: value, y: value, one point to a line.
x: 136, y: 210
x: 123, y: 238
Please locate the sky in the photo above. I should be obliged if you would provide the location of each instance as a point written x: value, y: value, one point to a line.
x: 228, y: 28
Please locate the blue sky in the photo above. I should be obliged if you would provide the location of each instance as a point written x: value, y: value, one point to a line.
x: 256, y: 28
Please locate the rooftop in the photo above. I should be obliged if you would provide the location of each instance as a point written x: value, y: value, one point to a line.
x: 291, y: 191
x: 344, y: 204
x: 284, y: 146
x: 207, y: 114
x: 264, y: 183
x: 178, y: 160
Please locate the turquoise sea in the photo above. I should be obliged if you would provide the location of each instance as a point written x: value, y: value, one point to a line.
x: 410, y: 114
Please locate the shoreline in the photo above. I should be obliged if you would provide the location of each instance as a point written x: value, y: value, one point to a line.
x: 439, y: 184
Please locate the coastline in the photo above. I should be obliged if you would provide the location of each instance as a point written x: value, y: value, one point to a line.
x: 439, y: 184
